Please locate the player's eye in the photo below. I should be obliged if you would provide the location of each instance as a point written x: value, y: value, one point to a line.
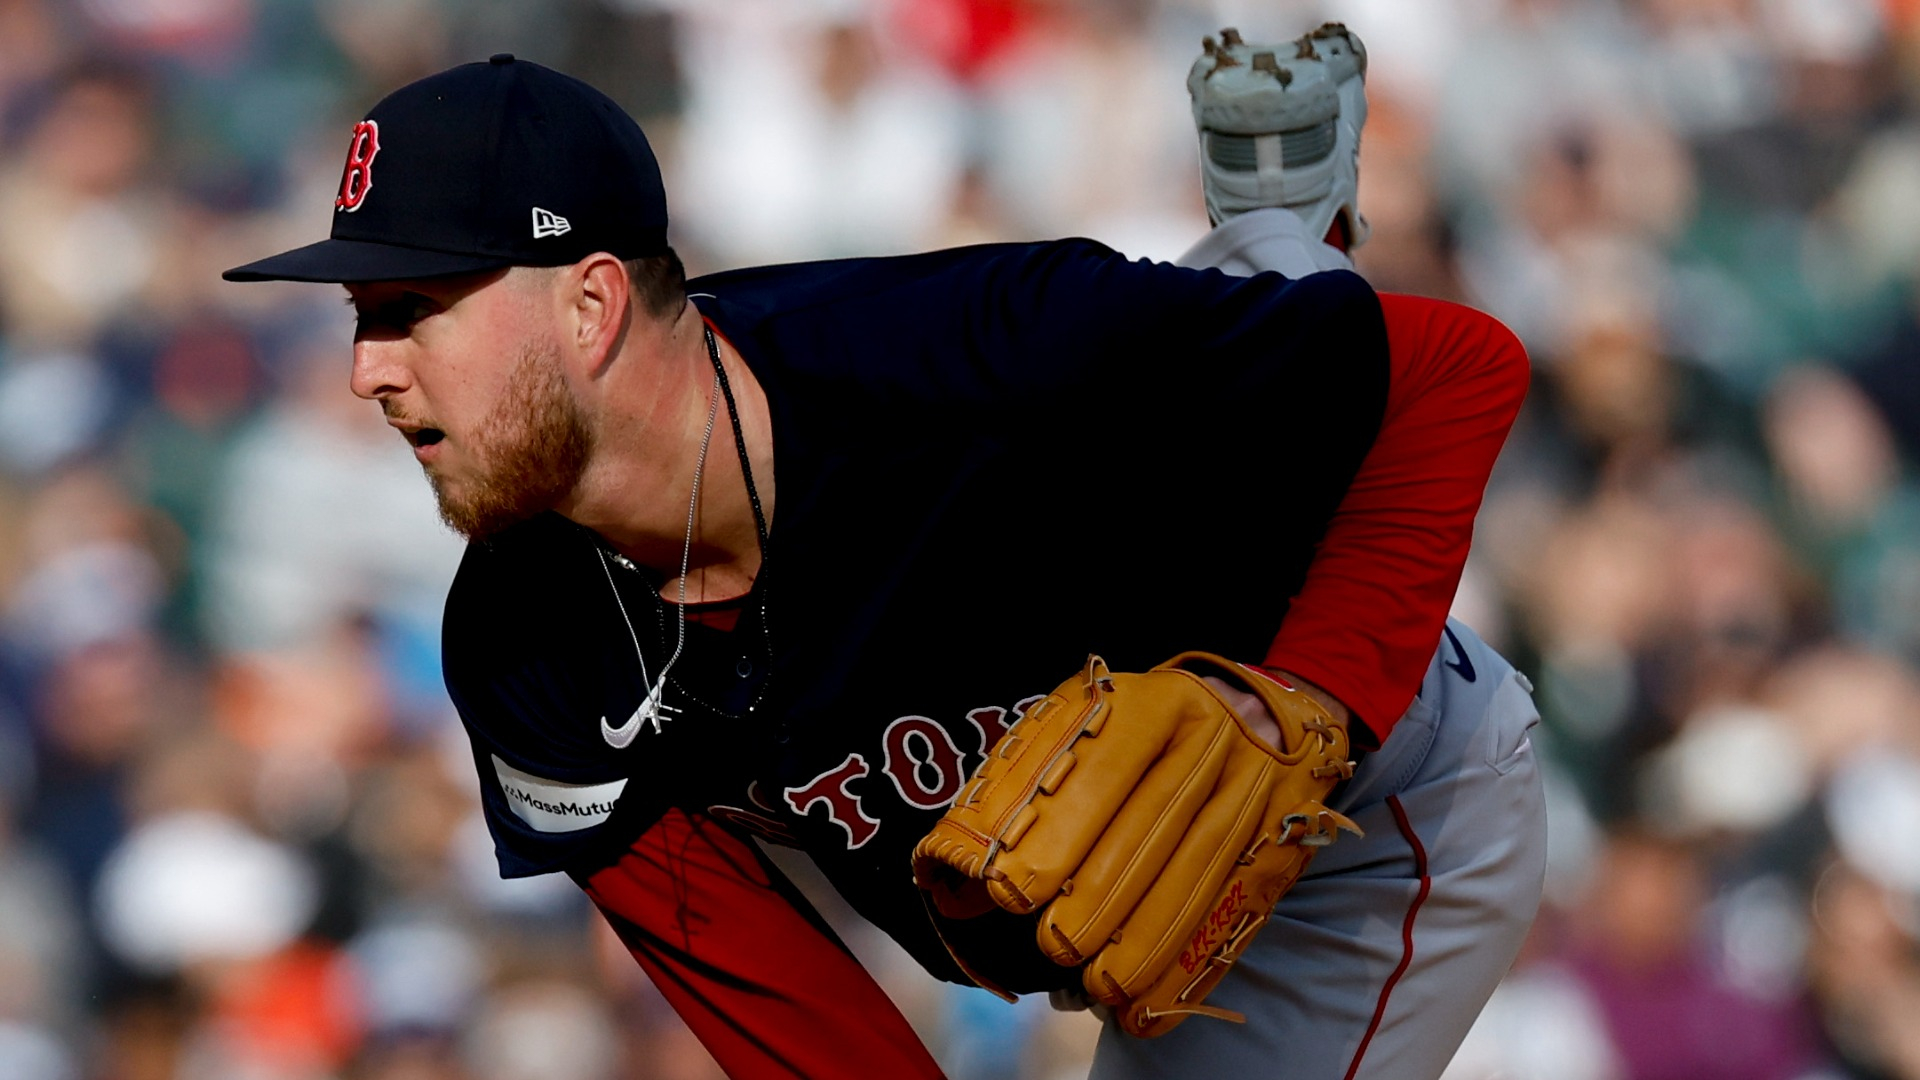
x: 396, y: 315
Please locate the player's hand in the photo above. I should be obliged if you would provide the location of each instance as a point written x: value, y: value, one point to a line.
x: 1251, y: 710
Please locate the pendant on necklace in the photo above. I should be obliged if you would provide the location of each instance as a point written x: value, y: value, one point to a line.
x: 654, y: 710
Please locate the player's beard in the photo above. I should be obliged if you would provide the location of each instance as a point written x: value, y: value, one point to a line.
x: 531, y: 449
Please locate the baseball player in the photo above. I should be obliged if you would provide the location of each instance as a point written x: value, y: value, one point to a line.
x: 798, y: 553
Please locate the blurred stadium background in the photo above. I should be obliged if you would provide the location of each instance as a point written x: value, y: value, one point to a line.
x: 239, y: 838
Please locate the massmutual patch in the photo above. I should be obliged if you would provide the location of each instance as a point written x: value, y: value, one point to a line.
x: 550, y: 806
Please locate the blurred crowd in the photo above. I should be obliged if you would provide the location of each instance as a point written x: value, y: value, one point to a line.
x: 239, y: 834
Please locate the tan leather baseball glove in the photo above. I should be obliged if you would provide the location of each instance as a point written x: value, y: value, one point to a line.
x: 1153, y: 827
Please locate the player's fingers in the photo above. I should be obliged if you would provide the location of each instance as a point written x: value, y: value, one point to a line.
x: 1143, y: 835
x: 1251, y: 710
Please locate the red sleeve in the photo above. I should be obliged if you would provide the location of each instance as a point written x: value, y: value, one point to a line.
x: 747, y: 963
x: 1368, y: 617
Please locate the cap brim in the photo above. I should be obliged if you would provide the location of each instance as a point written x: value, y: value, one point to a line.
x: 361, y: 260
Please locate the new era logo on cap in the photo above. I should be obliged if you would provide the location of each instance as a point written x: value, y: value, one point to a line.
x: 548, y: 223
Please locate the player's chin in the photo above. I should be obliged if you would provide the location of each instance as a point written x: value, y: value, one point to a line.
x: 482, y: 510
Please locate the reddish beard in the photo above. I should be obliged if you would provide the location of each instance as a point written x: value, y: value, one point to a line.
x: 531, y: 450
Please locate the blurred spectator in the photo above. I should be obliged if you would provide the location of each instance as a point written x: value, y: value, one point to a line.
x: 207, y: 33
x: 1866, y: 975
x: 41, y: 953
x: 1667, y: 1013
x: 149, y: 1029
x: 409, y: 1059
x: 1845, y: 506
x: 416, y: 978
x: 1541, y: 1024
x: 322, y: 515
x: 192, y: 883
x: 100, y: 707
x: 31, y: 47
x: 544, y: 1031
x: 390, y: 42
x: 203, y: 382
x: 1078, y: 135
x: 87, y: 239
x: 89, y: 577
x: 29, y: 1053
x: 195, y: 892
x: 868, y: 147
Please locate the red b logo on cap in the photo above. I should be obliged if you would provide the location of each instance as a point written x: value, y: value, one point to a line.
x: 357, y: 180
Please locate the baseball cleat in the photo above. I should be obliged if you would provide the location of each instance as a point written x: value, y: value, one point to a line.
x: 1280, y: 126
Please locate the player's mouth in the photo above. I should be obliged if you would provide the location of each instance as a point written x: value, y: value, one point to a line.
x: 424, y: 440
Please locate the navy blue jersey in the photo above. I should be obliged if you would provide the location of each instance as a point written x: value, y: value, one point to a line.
x: 990, y: 462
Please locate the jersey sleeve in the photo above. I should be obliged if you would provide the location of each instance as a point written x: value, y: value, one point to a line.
x: 747, y: 963
x: 1366, y: 622
x: 547, y: 810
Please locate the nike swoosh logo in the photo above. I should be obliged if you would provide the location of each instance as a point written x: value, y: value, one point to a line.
x: 620, y: 737
x: 1464, y: 667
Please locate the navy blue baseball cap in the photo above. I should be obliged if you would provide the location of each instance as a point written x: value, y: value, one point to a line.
x: 501, y: 163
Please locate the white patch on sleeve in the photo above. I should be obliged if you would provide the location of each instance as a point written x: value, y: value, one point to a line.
x: 551, y: 806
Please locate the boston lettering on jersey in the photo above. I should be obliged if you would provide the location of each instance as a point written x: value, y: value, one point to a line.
x: 918, y: 755
x: 991, y: 462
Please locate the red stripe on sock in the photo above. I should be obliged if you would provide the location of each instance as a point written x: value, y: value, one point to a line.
x: 1406, y: 930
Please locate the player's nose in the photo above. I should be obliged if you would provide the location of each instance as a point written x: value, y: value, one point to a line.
x: 378, y: 369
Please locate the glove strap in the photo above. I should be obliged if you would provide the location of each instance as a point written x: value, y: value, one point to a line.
x: 1195, y: 1010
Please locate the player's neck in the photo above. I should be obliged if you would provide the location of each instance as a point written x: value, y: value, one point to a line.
x: 648, y: 434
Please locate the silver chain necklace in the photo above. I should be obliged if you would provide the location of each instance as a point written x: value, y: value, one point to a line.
x: 654, y: 709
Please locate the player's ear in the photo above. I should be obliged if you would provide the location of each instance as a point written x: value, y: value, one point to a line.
x: 600, y: 300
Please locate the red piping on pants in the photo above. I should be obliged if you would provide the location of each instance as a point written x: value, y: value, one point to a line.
x: 1406, y: 930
